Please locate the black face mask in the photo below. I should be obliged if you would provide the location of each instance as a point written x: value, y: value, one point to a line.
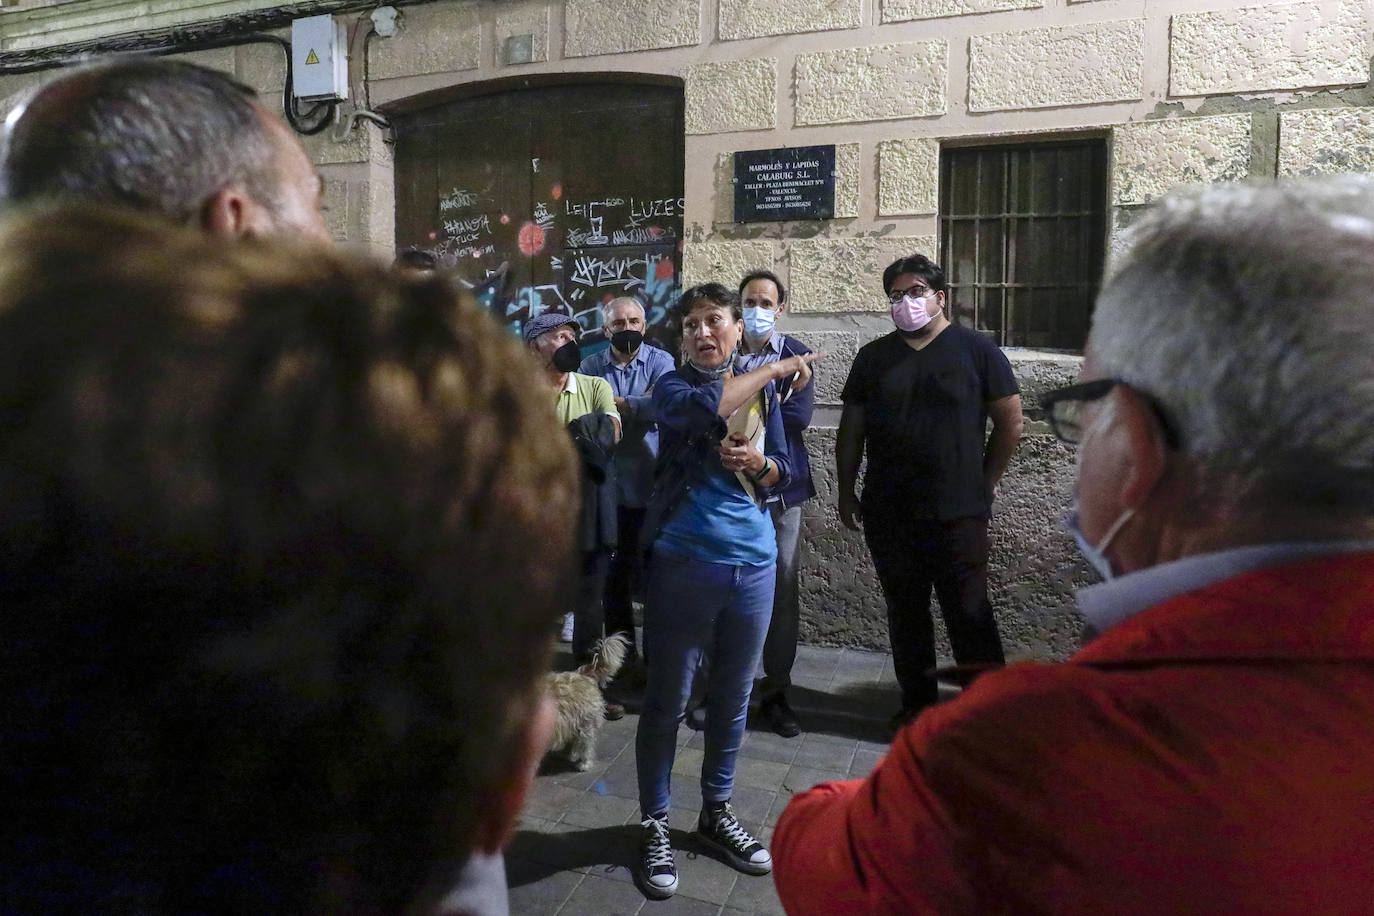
x: 567, y: 357
x: 627, y: 341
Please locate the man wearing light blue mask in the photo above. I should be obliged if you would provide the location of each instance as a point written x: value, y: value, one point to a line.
x: 765, y: 300
x: 1210, y: 750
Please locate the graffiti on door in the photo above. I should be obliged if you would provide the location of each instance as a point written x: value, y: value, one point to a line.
x: 638, y: 259
x: 550, y: 199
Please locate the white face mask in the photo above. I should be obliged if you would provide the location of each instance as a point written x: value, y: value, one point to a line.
x: 1095, y: 554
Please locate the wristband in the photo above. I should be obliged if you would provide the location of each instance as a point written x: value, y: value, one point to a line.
x: 763, y: 471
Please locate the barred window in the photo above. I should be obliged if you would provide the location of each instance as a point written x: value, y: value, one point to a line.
x: 1023, y: 232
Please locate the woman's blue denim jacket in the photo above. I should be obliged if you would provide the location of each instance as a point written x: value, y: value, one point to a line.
x: 689, y: 431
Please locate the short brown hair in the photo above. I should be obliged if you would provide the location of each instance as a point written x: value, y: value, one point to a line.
x: 284, y: 541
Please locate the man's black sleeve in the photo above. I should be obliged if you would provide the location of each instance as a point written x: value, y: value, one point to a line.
x: 998, y: 379
x: 856, y: 385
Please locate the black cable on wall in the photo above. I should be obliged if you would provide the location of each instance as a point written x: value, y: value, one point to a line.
x: 245, y: 28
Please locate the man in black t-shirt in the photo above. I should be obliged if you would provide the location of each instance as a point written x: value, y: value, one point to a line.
x: 918, y: 401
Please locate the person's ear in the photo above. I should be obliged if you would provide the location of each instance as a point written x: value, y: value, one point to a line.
x: 226, y: 213
x: 498, y: 818
x: 1144, y: 446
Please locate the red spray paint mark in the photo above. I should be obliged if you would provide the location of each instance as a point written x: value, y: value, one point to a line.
x: 606, y: 298
x: 664, y: 269
x: 504, y: 219
x: 557, y: 192
x: 530, y: 240
x: 433, y: 236
x: 655, y: 231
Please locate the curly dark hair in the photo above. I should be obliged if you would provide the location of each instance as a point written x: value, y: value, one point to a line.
x: 284, y: 540
x: 917, y: 264
x: 707, y: 294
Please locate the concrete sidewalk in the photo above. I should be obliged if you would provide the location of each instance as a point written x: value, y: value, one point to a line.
x: 579, y: 835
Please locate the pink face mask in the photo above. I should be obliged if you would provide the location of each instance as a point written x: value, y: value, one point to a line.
x: 910, y: 314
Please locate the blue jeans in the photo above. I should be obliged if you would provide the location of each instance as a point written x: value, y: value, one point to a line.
x: 691, y: 609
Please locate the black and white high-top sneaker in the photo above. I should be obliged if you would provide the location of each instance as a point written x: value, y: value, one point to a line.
x: 656, y: 874
x: 719, y: 828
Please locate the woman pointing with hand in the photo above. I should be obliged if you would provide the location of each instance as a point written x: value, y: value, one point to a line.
x: 709, y: 588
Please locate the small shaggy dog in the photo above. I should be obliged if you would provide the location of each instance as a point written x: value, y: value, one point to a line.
x: 581, y: 708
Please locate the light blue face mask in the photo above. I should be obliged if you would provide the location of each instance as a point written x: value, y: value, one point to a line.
x: 758, y: 322
x: 1096, y: 554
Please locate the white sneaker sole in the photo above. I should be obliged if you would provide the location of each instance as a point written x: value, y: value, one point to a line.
x: 738, y: 863
x: 654, y: 891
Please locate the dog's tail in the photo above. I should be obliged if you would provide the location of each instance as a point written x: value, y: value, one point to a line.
x: 607, y: 657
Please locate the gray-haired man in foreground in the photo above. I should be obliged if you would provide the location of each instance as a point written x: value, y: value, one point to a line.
x: 1210, y: 750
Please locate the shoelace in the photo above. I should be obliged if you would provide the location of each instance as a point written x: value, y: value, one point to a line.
x: 729, y: 827
x: 658, y: 850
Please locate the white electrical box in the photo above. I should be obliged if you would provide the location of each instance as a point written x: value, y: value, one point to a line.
x: 319, y: 58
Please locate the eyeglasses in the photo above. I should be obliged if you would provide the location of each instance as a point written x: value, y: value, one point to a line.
x: 1064, y: 409
x: 915, y: 292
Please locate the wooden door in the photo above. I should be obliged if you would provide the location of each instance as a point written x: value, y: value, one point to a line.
x: 550, y: 199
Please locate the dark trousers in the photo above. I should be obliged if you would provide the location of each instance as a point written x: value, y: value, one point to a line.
x: 624, y: 577
x: 588, y: 621
x: 780, y: 648
x: 911, y: 556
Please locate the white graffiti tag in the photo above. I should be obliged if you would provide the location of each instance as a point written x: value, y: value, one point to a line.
x: 467, y: 231
x: 590, y: 270
x: 456, y: 199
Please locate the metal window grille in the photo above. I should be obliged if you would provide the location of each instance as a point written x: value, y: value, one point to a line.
x: 1023, y: 232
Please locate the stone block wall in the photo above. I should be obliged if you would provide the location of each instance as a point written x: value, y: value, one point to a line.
x: 1267, y: 47
x: 1193, y: 91
x: 875, y: 83
x: 760, y: 18
x: 1055, y: 67
x: 1214, y: 90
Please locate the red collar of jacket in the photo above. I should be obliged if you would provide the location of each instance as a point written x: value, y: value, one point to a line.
x: 1314, y: 610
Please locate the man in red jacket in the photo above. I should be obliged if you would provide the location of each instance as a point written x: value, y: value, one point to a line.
x: 1212, y: 750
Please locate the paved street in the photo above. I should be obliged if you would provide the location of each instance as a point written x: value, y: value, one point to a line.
x: 579, y: 834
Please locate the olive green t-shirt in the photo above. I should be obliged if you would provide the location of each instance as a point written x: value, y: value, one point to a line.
x: 584, y: 394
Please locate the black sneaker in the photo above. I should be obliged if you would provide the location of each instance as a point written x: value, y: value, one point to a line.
x: 614, y: 711
x: 656, y: 874
x: 777, y: 712
x: 720, y: 829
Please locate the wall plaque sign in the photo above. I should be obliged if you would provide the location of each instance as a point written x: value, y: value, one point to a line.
x: 795, y: 182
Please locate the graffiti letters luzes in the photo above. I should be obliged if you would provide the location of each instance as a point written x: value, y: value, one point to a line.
x: 610, y: 246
